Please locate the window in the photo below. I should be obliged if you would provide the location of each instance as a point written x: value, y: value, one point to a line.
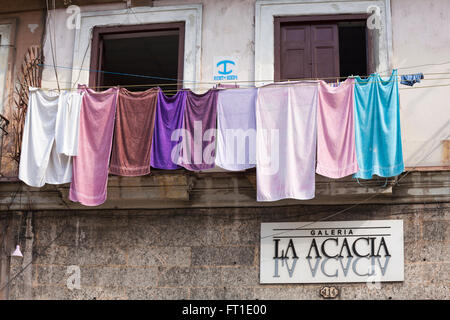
x: 321, y: 47
x: 7, y: 43
x: 154, y: 50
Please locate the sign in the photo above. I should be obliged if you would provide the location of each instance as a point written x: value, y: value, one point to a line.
x: 225, y: 68
x: 332, y: 252
x: 329, y: 292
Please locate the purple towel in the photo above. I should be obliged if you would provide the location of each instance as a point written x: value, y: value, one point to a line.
x: 199, y: 134
x: 168, y: 120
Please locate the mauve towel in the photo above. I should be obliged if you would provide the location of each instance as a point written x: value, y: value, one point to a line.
x: 168, y: 121
x: 236, y: 129
x: 90, y: 166
x: 336, y: 152
x: 133, y: 132
x: 200, y: 123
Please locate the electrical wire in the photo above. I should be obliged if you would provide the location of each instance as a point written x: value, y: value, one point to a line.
x: 225, y: 81
x: 255, y: 81
x: 412, y: 169
x: 36, y: 253
x: 178, y: 81
x: 367, y: 199
x: 422, y: 65
x: 51, y: 42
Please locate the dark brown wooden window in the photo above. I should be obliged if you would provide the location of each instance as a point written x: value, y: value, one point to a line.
x: 152, y: 50
x: 321, y: 47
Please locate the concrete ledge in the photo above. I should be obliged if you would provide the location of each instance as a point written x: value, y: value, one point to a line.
x: 183, y: 189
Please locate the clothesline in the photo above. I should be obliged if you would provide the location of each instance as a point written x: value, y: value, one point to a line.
x: 232, y: 88
x: 179, y: 81
x: 242, y: 81
x: 127, y: 133
x: 211, y: 82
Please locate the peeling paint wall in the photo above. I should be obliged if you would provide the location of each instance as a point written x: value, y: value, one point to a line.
x: 420, y: 38
x: 214, y: 253
x: 228, y: 29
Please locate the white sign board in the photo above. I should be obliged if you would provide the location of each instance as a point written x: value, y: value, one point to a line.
x: 332, y: 252
x: 225, y: 68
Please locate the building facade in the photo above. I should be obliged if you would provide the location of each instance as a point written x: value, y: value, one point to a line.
x: 196, y: 235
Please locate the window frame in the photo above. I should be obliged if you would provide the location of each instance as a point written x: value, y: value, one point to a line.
x: 7, y: 56
x: 312, y: 19
x: 122, y: 32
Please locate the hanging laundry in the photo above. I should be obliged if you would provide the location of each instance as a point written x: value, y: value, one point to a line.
x: 90, y: 166
x: 377, y: 127
x: 411, y: 79
x: 168, y: 121
x: 67, y: 123
x: 199, y: 131
x: 336, y: 153
x: 133, y: 132
x: 40, y: 162
x: 236, y: 129
x: 286, y: 141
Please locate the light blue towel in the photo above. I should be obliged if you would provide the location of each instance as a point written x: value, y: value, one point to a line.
x: 377, y: 127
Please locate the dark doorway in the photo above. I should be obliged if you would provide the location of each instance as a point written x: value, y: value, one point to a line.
x: 153, y: 52
x: 352, y: 49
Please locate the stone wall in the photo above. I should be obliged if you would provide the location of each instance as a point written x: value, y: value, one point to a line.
x: 205, y: 253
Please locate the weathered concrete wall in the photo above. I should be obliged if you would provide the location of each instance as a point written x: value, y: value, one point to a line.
x: 233, y: 34
x: 420, y: 40
x: 208, y: 253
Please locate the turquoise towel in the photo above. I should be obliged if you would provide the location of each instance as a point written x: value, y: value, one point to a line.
x: 377, y: 127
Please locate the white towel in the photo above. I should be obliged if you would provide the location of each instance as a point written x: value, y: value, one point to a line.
x: 286, y: 141
x: 68, y: 122
x: 40, y: 163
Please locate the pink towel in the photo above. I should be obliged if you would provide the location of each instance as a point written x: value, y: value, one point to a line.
x: 336, y: 153
x: 90, y: 166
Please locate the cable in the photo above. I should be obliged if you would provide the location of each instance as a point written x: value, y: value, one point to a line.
x: 178, y: 81
x: 275, y: 234
x: 37, y: 254
x: 175, y: 84
x: 422, y: 87
x: 308, y: 224
x: 363, y: 201
x: 117, y: 73
x: 197, y: 82
x: 251, y: 218
x: 225, y: 81
x: 51, y: 42
x: 422, y: 65
x: 82, y: 62
x: 32, y: 260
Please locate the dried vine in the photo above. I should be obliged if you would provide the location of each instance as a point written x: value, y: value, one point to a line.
x: 30, y: 76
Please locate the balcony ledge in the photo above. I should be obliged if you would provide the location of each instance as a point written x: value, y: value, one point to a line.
x: 183, y: 189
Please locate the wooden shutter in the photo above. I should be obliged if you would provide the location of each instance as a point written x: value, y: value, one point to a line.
x: 295, y: 50
x: 325, y: 50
